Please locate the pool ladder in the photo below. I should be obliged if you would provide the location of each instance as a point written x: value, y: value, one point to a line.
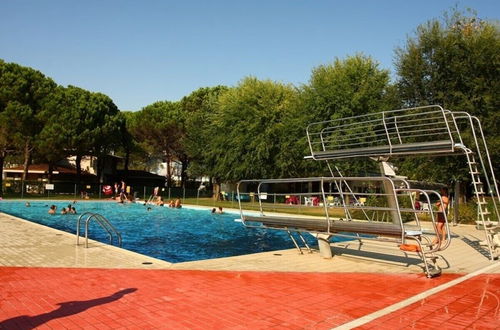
x: 103, y: 222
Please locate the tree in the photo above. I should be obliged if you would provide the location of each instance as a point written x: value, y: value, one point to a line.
x: 453, y: 62
x: 350, y: 87
x: 5, y: 134
x: 247, y: 130
x: 79, y: 123
x: 24, y: 93
x: 197, y: 110
x: 158, y: 129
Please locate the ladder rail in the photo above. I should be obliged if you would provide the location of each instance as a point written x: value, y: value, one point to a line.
x: 102, y: 221
x: 476, y: 179
x: 472, y: 119
x: 492, y: 184
x: 78, y: 225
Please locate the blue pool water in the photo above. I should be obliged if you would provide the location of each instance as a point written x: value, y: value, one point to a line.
x: 174, y: 235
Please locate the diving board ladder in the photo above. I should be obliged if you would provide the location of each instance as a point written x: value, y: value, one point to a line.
x: 491, y: 228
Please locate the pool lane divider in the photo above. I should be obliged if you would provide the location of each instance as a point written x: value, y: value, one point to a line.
x: 404, y: 303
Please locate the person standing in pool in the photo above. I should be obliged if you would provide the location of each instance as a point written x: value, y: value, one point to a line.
x: 53, y: 209
x: 123, y: 187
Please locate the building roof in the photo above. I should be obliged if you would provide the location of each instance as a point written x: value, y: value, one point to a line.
x: 43, y: 169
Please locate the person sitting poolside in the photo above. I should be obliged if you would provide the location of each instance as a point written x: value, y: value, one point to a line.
x: 52, y: 209
x: 171, y: 203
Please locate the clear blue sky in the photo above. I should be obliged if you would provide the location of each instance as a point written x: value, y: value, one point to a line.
x: 139, y: 52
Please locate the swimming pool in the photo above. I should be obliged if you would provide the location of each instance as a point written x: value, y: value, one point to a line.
x: 173, y: 235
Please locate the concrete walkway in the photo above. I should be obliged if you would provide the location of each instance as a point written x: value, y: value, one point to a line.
x: 47, y: 282
x: 25, y: 243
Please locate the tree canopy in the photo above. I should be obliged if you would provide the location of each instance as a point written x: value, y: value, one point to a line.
x: 256, y: 129
x: 454, y: 62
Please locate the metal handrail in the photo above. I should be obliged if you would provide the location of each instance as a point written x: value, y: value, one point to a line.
x: 386, y: 128
x: 78, y: 225
x: 394, y: 192
x: 103, y: 222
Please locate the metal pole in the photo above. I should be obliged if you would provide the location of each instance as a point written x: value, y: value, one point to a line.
x: 144, y: 194
x: 74, y: 192
x: 99, y: 191
x: 183, y: 194
x: 22, y: 189
x: 391, y: 197
x: 169, y: 193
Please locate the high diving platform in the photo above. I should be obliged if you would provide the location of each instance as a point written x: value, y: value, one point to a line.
x: 380, y: 208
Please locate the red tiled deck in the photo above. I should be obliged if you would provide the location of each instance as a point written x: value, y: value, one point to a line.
x: 473, y: 304
x: 59, y: 298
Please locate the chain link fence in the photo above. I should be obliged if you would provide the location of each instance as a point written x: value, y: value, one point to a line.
x: 67, y: 190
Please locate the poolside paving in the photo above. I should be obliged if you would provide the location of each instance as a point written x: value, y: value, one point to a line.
x: 48, y: 282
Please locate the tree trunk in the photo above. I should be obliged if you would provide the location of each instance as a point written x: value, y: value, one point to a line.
x: 78, y: 165
x: 2, y: 158
x: 463, y: 192
x: 49, y: 174
x: 100, y: 165
x: 184, y: 163
x: 127, y: 160
x: 169, y: 170
x: 27, y: 159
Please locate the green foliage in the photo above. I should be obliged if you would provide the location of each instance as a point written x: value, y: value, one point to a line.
x: 79, y: 122
x: 453, y: 62
x: 24, y: 93
x: 247, y: 130
x: 158, y: 128
x: 345, y: 88
x: 198, y: 109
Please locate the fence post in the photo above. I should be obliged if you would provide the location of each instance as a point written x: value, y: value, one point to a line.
x: 99, y: 191
x: 74, y: 192
x: 144, y: 193
x: 169, y: 193
x: 22, y: 189
x: 274, y: 203
x: 183, y: 194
